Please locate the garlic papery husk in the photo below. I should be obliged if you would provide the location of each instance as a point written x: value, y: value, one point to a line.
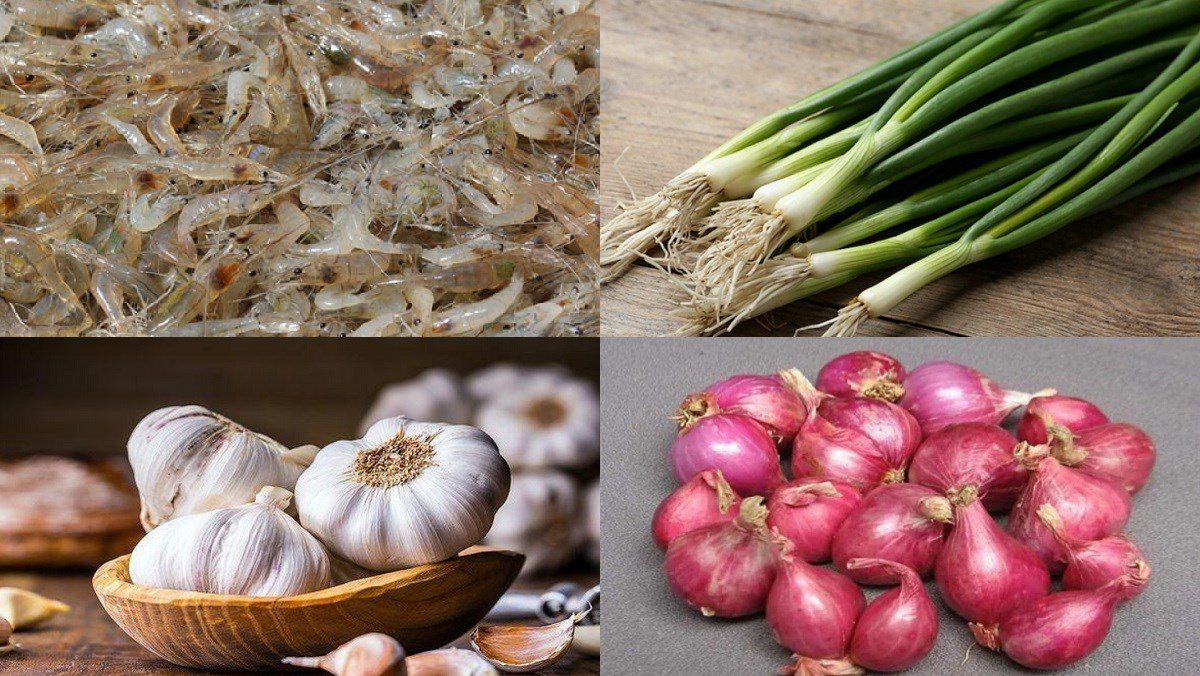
x: 540, y: 520
x: 485, y: 383
x: 521, y: 649
x: 545, y: 420
x: 188, y: 460
x: 448, y: 662
x: 6, y: 632
x: 435, y: 394
x: 366, y: 655
x: 249, y: 550
x: 406, y: 494
x: 24, y: 609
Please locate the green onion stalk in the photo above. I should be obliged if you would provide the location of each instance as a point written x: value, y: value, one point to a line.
x: 665, y: 216
x: 1105, y: 165
x: 925, y: 106
x: 971, y: 193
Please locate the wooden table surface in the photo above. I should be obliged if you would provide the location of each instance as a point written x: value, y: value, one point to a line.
x: 681, y: 76
x: 86, y: 641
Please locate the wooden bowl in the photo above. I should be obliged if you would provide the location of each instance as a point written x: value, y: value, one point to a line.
x: 424, y: 608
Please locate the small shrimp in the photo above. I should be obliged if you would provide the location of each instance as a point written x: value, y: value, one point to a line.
x: 179, y: 75
x: 471, y: 250
x: 291, y: 120
x: 335, y: 125
x: 151, y: 210
x: 258, y: 118
x: 121, y: 33
x: 132, y: 135
x: 29, y: 195
x: 23, y: 133
x: 305, y: 70
x: 220, y: 169
x: 466, y: 277
x: 62, y: 15
x: 15, y: 172
x: 347, y: 269
x: 237, y: 95
x: 321, y: 194
x: 472, y: 317
x: 534, y: 320
x: 244, y: 200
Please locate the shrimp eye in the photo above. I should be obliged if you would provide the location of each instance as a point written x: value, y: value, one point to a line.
x: 264, y: 173
x: 310, y: 53
x: 93, y: 55
x: 128, y: 78
x: 296, y: 271
x: 29, y: 77
x: 171, y: 181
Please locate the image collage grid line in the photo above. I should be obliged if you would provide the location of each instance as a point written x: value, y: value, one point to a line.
x: 864, y: 339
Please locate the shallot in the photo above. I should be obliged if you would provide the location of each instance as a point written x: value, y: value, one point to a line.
x: 898, y: 629
x: 1056, y: 630
x: 738, y: 446
x: 982, y: 571
x: 862, y: 442
x: 812, y: 610
x: 779, y: 403
x: 978, y: 454
x: 808, y: 514
x: 705, y: 500
x: 1118, y: 452
x: 941, y: 393
x: 1091, y: 564
x: 863, y: 374
x: 1090, y: 508
x: 904, y: 523
x: 1057, y: 416
x: 725, y: 570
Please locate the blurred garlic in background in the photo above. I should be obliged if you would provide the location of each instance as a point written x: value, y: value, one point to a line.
x: 591, y: 505
x: 189, y: 460
x: 547, y: 419
x: 437, y: 395
x: 499, y: 377
x: 541, y: 519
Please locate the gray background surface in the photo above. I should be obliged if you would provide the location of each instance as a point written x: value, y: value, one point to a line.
x: 1148, y: 382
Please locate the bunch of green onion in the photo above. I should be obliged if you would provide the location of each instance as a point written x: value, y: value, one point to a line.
x: 985, y: 137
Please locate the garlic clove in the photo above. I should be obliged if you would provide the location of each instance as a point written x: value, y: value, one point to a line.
x: 521, y: 649
x: 587, y: 640
x: 448, y: 662
x: 24, y: 609
x: 6, y: 631
x: 366, y: 655
x: 301, y: 455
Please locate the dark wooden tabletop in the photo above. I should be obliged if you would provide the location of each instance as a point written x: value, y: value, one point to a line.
x: 86, y: 641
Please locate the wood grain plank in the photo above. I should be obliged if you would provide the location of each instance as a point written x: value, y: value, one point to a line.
x: 680, y: 76
x: 86, y: 641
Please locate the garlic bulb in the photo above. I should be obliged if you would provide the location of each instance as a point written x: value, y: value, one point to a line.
x: 436, y: 394
x: 188, y: 460
x: 405, y: 494
x: 485, y: 383
x: 249, y: 550
x: 545, y: 419
x: 540, y: 520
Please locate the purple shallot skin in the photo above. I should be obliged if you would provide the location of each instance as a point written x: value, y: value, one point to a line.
x: 738, y: 446
x: 705, y: 500
x: 983, y: 572
x: 979, y: 454
x: 864, y: 373
x: 941, y: 393
x: 809, y: 513
x: 904, y: 523
x: 1046, y: 418
x: 898, y: 629
x: 1057, y: 630
x: 812, y: 610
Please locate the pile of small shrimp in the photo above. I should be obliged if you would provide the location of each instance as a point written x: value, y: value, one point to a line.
x: 300, y: 167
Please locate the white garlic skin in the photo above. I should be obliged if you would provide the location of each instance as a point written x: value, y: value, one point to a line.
x: 435, y: 394
x: 446, y: 507
x: 542, y: 419
x: 249, y: 550
x: 540, y: 520
x: 189, y: 460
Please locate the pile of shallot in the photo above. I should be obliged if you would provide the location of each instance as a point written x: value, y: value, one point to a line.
x: 895, y: 476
